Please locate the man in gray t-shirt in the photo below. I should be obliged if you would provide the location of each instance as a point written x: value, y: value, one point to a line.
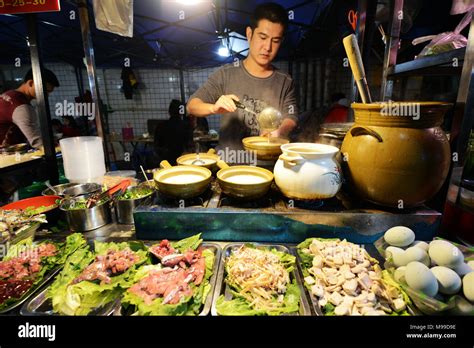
x: 254, y: 82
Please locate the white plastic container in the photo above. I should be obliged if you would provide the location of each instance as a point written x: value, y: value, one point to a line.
x: 83, y: 158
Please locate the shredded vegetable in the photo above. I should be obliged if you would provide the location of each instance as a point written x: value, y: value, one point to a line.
x: 260, y: 275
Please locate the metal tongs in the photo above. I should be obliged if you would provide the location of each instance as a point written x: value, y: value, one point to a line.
x: 111, y: 193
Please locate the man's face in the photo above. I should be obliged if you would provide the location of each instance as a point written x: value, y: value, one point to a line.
x: 32, y: 91
x: 264, y: 41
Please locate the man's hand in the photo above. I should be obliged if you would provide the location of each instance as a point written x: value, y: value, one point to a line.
x: 273, y: 134
x: 225, y: 104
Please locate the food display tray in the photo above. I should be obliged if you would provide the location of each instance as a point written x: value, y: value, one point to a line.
x: 313, y: 300
x: 216, y: 249
x: 27, y: 295
x: 40, y: 305
x: 222, y: 288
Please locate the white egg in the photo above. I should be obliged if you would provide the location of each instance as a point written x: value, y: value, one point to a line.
x: 399, y: 274
x: 421, y: 244
x: 468, y: 286
x: 445, y: 254
x: 396, y: 254
x: 399, y: 236
x: 463, y: 268
x: 449, y: 283
x: 416, y: 254
x: 462, y: 307
x: 420, y: 278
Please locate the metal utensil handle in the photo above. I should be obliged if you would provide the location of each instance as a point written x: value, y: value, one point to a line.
x: 239, y: 104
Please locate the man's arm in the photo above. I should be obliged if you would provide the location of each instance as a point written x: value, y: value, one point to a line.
x: 24, y: 117
x: 198, y: 108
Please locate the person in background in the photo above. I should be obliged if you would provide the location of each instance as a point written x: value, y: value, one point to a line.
x: 255, y: 82
x: 18, y: 119
x: 70, y: 127
x: 339, y: 110
x: 170, y: 139
x: 57, y: 129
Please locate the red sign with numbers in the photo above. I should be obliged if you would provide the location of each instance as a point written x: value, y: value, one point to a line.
x: 28, y: 6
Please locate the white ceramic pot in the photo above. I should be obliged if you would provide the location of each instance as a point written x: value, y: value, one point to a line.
x: 308, y: 171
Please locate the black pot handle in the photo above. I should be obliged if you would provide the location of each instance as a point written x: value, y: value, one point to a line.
x: 361, y: 130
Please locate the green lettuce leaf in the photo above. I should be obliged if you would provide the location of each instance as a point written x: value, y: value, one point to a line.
x: 85, y: 296
x: 238, y: 305
x: 190, y: 305
x: 192, y: 242
x: 65, y: 249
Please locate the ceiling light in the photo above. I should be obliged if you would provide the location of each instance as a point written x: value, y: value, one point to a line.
x: 223, y: 51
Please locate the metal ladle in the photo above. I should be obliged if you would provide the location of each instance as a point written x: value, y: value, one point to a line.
x: 268, y: 119
x: 51, y: 188
x: 198, y: 160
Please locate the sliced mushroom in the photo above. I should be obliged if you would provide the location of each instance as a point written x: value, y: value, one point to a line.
x: 342, y: 310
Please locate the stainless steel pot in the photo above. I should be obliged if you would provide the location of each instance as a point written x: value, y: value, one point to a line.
x: 124, y: 207
x: 81, y: 190
x: 82, y: 220
x: 59, y: 189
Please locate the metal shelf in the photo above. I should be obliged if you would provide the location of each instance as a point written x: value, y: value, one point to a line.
x: 439, y: 64
x: 21, y: 166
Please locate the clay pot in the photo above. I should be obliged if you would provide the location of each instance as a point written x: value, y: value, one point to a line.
x: 396, y: 161
x: 307, y: 171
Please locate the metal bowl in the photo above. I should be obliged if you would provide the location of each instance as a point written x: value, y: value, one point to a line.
x: 12, y: 149
x: 58, y: 188
x: 82, y: 190
x: 125, y: 207
x: 82, y: 220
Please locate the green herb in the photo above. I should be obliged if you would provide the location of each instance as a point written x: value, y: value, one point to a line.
x: 136, y: 193
x: 32, y: 211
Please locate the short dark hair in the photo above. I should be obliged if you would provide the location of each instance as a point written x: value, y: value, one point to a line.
x: 271, y: 11
x: 174, y: 108
x: 47, y: 75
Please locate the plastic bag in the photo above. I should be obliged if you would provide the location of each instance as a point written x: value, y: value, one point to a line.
x: 452, y: 305
x: 114, y: 16
x: 446, y: 41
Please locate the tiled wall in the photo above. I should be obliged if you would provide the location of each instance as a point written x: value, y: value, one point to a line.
x: 157, y: 87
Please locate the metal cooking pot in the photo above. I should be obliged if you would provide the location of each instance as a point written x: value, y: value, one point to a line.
x: 267, y: 148
x: 209, y: 158
x: 244, y: 182
x: 82, y: 190
x: 58, y: 188
x: 182, y: 181
x: 333, y: 133
x: 82, y: 220
x: 125, y: 207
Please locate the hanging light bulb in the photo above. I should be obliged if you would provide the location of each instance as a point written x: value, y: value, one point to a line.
x: 223, y: 51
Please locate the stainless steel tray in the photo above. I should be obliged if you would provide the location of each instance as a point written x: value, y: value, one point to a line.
x: 223, y: 289
x: 216, y: 249
x: 47, y: 277
x: 313, y: 300
x: 40, y: 306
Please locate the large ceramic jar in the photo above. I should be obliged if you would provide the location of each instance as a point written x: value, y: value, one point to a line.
x: 396, y: 154
x: 307, y: 171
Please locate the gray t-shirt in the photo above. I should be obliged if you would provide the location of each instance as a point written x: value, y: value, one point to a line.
x: 254, y: 92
